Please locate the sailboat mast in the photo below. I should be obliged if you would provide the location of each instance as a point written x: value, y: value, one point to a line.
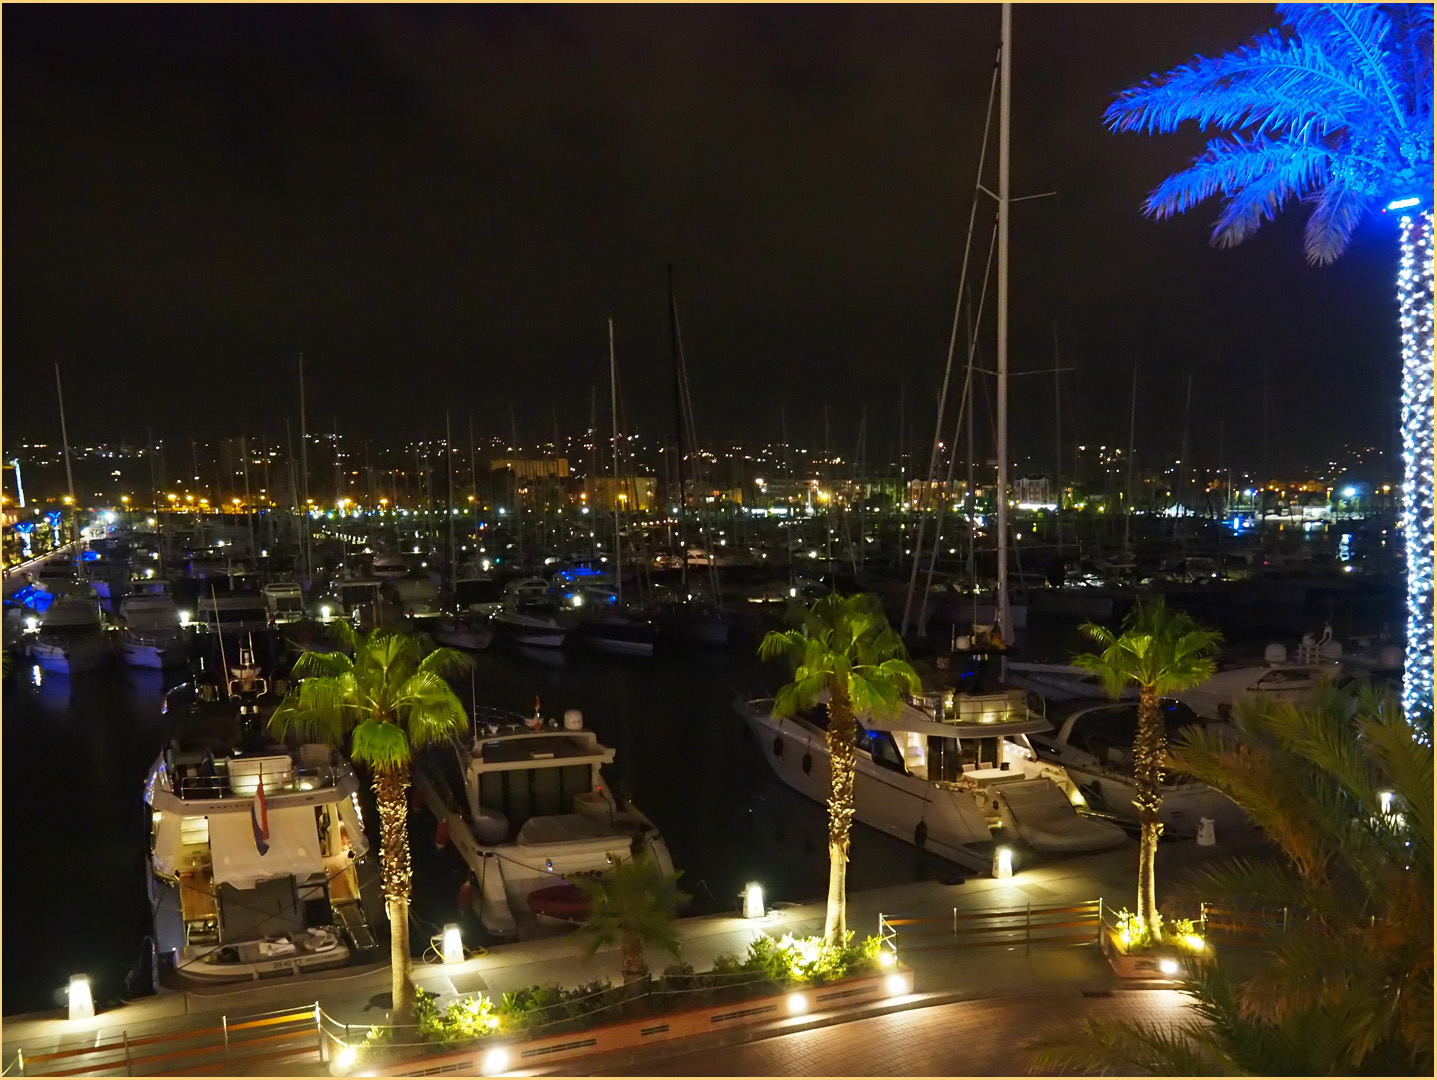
x: 65, y: 442
x: 304, y: 473
x: 449, y: 465
x: 614, y: 409
x: 679, y: 423
x: 1005, y: 112
x: 1132, y: 495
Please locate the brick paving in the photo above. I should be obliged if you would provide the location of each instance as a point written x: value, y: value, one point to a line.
x: 966, y: 1038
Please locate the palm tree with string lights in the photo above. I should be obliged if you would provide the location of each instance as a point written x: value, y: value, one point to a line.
x: 391, y: 698
x: 1332, y: 108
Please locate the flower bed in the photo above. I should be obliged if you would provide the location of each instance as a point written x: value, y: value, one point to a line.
x: 769, y: 980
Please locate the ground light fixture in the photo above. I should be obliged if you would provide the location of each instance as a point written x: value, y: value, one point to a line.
x: 753, y: 900
x: 344, y: 1060
x: 896, y: 985
x: 887, y: 958
x: 82, y: 1002
x: 453, y: 948
x: 496, y: 1061
x: 1168, y: 966
x: 1003, y: 862
x: 797, y: 1004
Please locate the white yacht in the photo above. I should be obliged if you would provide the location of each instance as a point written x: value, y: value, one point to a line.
x: 528, y: 808
x: 357, y: 598
x: 153, y: 636
x: 417, y: 597
x: 245, y: 883
x: 70, y: 637
x: 1318, y: 662
x: 1095, y: 746
x: 467, y: 631
x: 284, y: 600
x: 531, y: 616
x: 389, y: 566
x: 942, y: 775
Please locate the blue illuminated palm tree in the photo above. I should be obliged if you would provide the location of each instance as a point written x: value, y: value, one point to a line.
x: 1332, y: 108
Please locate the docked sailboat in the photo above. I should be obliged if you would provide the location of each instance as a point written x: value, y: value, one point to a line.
x: 531, y: 616
x: 259, y: 863
x: 526, y: 804
x: 942, y: 775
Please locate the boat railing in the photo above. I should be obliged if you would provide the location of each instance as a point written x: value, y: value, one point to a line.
x: 189, y: 783
x: 487, y: 718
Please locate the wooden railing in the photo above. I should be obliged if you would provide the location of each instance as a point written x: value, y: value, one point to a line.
x: 1070, y: 924
x: 231, y: 1047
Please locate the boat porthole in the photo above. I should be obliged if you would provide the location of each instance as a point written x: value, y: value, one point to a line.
x: 807, y: 764
x: 995, y: 804
x: 920, y: 834
x: 778, y: 746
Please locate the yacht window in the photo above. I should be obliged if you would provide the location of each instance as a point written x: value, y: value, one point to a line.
x: 980, y: 753
x: 884, y: 751
x: 194, y: 830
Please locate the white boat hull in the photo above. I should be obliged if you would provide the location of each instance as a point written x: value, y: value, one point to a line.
x: 886, y: 800
x: 136, y: 654
x: 72, y: 657
x: 475, y: 638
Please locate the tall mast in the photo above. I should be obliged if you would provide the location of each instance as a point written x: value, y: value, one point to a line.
x: 1132, y: 495
x: 614, y: 408
x: 514, y: 473
x: 473, y: 482
x: 1058, y: 441
x: 679, y: 423
x: 248, y: 508
x: 65, y: 441
x: 1005, y: 113
x: 304, y: 474
x: 449, y: 465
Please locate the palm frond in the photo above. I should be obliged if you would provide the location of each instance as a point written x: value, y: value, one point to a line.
x: 1107, y: 1046
x: 321, y: 663
x: 383, y: 747
x: 1275, y: 170
x: 447, y: 662
x: 428, y: 709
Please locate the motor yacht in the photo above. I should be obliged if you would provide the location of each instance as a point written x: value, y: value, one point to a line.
x: 531, y: 616
x: 1318, y: 662
x: 527, y: 805
x: 258, y: 859
x: 389, y: 565
x: 152, y: 635
x: 70, y: 637
x: 283, y: 600
x: 942, y: 775
x: 1094, y: 744
x: 465, y: 631
x: 417, y: 597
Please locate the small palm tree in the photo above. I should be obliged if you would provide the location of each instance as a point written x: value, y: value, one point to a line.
x: 1343, y: 785
x: 1332, y: 109
x: 388, y: 700
x: 843, y: 653
x: 632, y: 906
x: 1160, y: 651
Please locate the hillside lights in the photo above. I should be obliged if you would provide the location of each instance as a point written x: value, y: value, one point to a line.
x: 82, y: 1002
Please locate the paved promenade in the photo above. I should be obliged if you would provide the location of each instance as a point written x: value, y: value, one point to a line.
x: 945, y: 978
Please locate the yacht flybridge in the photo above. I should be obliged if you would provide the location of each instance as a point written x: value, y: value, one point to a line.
x: 529, y: 809
x: 943, y: 774
x: 259, y: 863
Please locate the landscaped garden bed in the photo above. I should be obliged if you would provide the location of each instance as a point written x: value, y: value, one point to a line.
x: 775, y: 979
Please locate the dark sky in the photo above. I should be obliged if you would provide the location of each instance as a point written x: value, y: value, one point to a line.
x: 440, y: 207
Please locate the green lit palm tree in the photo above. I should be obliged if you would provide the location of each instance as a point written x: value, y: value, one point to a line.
x: 632, y: 906
x: 388, y: 700
x: 843, y: 653
x: 1343, y: 785
x: 1160, y: 651
x: 1333, y: 109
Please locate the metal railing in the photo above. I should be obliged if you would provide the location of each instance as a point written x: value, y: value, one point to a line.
x: 1069, y: 924
x: 234, y: 1046
x: 289, y: 781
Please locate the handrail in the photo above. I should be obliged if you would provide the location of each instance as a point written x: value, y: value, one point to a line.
x: 218, y: 786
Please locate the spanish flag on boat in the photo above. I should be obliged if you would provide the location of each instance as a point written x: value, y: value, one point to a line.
x: 259, y: 818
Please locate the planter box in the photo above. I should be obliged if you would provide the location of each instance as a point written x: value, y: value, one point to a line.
x: 1163, y: 962
x: 492, y: 1056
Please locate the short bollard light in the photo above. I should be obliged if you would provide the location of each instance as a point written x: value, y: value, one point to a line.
x: 344, y: 1060
x: 753, y: 900
x: 453, y: 945
x: 895, y: 985
x: 1168, y: 966
x: 82, y: 1002
x: 1003, y: 862
x: 797, y: 1004
x: 887, y: 958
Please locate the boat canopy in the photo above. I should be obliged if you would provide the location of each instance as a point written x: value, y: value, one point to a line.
x: 293, y: 847
x: 915, y: 721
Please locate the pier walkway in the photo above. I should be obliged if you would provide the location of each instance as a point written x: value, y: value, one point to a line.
x: 1042, y: 980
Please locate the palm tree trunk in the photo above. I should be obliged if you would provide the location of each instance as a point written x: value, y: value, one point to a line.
x: 1149, y: 752
x: 843, y: 763
x: 389, y: 794
x: 633, y: 965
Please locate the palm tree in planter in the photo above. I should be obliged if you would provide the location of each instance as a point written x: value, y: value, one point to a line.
x: 843, y: 653
x: 1343, y: 786
x: 632, y: 906
x: 1332, y: 108
x: 1160, y: 651
x: 388, y: 700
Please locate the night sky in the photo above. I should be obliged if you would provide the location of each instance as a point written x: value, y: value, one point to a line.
x: 440, y: 207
